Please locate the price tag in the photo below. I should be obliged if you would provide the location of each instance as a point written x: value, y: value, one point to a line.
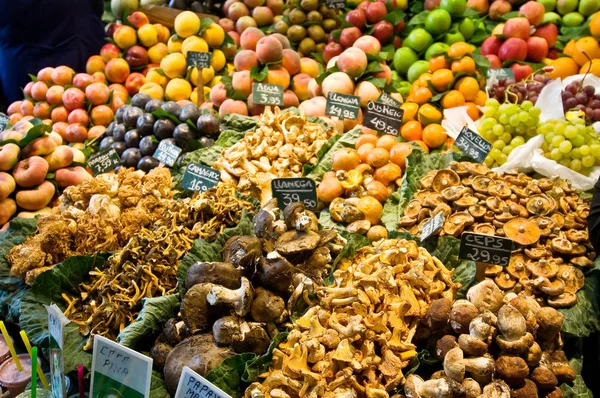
x: 3, y: 122
x: 118, y: 371
x: 387, y: 99
x: 199, y: 178
x: 383, y: 118
x: 335, y: 3
x: 267, y: 94
x: 56, y: 323
x: 167, y: 153
x: 473, y: 144
x: 192, y: 385
x: 290, y: 190
x: 344, y: 106
x: 198, y: 59
x: 500, y: 73
x: 104, y: 161
x: 432, y: 225
x: 486, y: 249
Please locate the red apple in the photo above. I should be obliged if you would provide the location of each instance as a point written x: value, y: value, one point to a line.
x: 357, y: 18
x: 109, y: 51
x: 521, y: 71
x: 499, y: 8
x: 431, y: 5
x: 383, y: 31
x: 491, y: 45
x: 112, y: 28
x: 363, y: 6
x: 513, y: 49
x: 553, y: 53
x: 349, y: 36
x: 136, y: 56
x: 548, y: 32
x: 331, y: 50
x: 397, y: 42
x: 533, y: 11
x: 519, y: 28
x: 400, y: 27
x: 494, y: 61
x: 537, y: 49
x: 375, y: 12
x: 393, y: 3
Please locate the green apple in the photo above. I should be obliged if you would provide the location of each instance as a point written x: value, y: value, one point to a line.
x: 588, y: 7
x: 436, y: 49
x: 549, y: 5
x: 419, y: 40
x: 572, y: 19
x: 453, y: 37
x: 403, y: 59
x: 566, y: 6
x: 467, y: 28
x: 416, y: 70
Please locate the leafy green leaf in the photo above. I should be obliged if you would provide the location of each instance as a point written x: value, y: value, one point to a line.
x: 38, y: 130
x: 374, y: 67
x: 228, y: 375
x: 471, y: 13
x: 259, y: 74
x: 481, y: 61
x: 418, y: 19
x: 160, y: 113
x: 155, y: 312
x: 16, y: 233
x: 238, y: 122
x: 158, y: 388
x: 206, y: 22
x: 32, y: 77
x: 394, y: 17
x: 509, y: 15
x: 577, y: 389
x: 259, y: 365
x: 378, y: 82
x: 323, y: 165
x: 574, y: 33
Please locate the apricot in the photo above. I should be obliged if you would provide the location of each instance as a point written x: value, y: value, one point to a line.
x: 75, y: 133
x: 214, y: 35
x: 101, y: 115
x: 153, y: 76
x: 125, y: 37
x: 174, y: 65
x: 15, y: 107
x: 38, y: 91
x: 96, y: 131
x: 163, y: 33
x: 367, y: 91
x: 277, y: 74
x: 242, y: 82
x: 310, y: 67
x: 290, y: 99
x: 178, y: 89
x: 300, y: 86
x: 233, y: 106
x: 133, y: 83
x: 194, y: 43
x: 218, y: 94
x: 148, y: 35
x: 45, y: 75
x: 79, y: 116
x: 99, y: 77
x: 116, y: 70
x: 60, y: 127
x: 97, y: 93
x: 95, y: 63
x: 81, y: 80
x: 73, y: 98
x: 269, y: 49
x: 62, y: 75
x: 41, y: 110
x: 187, y: 24
x: 157, y: 52
x: 27, y: 89
x: 59, y: 114
x: 291, y: 61
x: 338, y: 82
x: 119, y: 91
x: 154, y: 90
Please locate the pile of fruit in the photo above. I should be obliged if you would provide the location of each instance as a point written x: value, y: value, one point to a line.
x: 241, y: 15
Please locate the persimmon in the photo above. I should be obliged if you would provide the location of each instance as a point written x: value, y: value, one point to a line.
x: 366, y: 139
x: 412, y: 130
x: 434, y: 135
x: 378, y: 190
x: 371, y: 208
x: 329, y: 189
x: 452, y: 99
x: 363, y: 151
x: 388, y: 173
x: 345, y: 159
x: 441, y: 79
x: 399, y: 153
x: 378, y: 157
x: 459, y: 49
x: 386, y: 141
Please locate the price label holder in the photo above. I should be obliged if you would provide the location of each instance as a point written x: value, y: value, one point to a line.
x: 192, y: 385
x: 335, y: 3
x: 487, y: 249
x: 267, y: 94
x: 500, y: 73
x: 432, y: 225
x: 290, y: 190
x: 387, y: 99
x: 383, y: 118
x: 472, y: 145
x: 344, y: 106
x: 199, y: 178
x: 118, y: 371
x: 56, y: 323
x: 167, y: 153
x: 3, y: 122
x: 198, y: 59
x: 104, y: 161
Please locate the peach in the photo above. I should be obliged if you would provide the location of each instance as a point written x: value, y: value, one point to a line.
x: 75, y: 133
x: 227, y: 24
x: 8, y: 208
x: 276, y: 6
x: 108, y: 52
x: 9, y: 155
x: 349, y: 124
x: 60, y: 128
x: 300, y: 86
x: 254, y: 3
x: 163, y: 33
x: 54, y: 95
x: 218, y: 94
x: 30, y: 172
x: 27, y: 89
x: 79, y: 116
x: 338, y: 82
x: 481, y: 6
x: 136, y: 56
x: 291, y: 61
x: 95, y: 63
x: 41, y: 110
x: 210, y: 107
x: 290, y: 99
x: 125, y: 37
x: 250, y: 37
x: 62, y: 75
x: 353, y: 61
x: 15, y: 118
x: 533, y: 11
x: 157, y: 52
x: 117, y: 70
x: 96, y: 131
x: 386, y: 74
x: 138, y: 19
x: 57, y: 138
x: 97, y: 93
x: 39, y: 147
x: 313, y: 107
x: 81, y: 80
x: 263, y: 16
x: 245, y: 60
x: 73, y: 98
x: 233, y: 106
x: 245, y: 23
x: 236, y: 38
x: 154, y: 90
x: 59, y: 114
x: 498, y: 8
x: 148, y: 35
x: 310, y: 67
x: 242, y: 82
x: 237, y: 10
x: 367, y: 92
x: 119, y: 91
x: 519, y: 28
x: 254, y: 109
x: 11, y: 135
x: 45, y: 75
x: 60, y: 158
x: 537, y: 49
x: 38, y: 91
x: 7, y: 185
x: 99, y: 77
x: 78, y: 155
x: 269, y: 49
x: 37, y: 198
x: 134, y: 82
x: 228, y: 4
x: 368, y: 44
x: 15, y: 107
x: 314, y: 89
x: 23, y: 126
x: 277, y: 74
x: 285, y: 42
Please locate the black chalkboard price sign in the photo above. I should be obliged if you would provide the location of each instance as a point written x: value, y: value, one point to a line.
x: 486, y: 249
x: 290, y: 190
x: 432, y: 225
x: 387, y: 99
x: 267, y: 94
x: 198, y: 59
x: 344, y: 106
x: 472, y: 145
x: 335, y: 3
x: 104, y: 161
x: 3, y: 122
x: 383, y: 118
x: 200, y: 178
x: 167, y: 153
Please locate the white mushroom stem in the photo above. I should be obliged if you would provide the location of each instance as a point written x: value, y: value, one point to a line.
x: 241, y: 298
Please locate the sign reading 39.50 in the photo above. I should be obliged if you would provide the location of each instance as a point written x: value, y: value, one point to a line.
x: 290, y: 190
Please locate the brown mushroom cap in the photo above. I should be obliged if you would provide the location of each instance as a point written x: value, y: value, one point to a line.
x: 527, y: 390
x: 522, y: 231
x: 412, y: 208
x: 546, y: 268
x: 444, y: 179
x: 500, y: 189
x: 456, y: 223
x: 426, y: 181
x: 505, y: 281
x: 573, y: 278
x: 495, y: 204
x: 541, y: 205
x: 454, y: 192
x: 517, y: 266
x: 493, y: 270
x: 458, y: 167
x: 481, y: 184
x: 466, y: 201
x: 562, y: 301
x: 360, y: 227
x: 512, y: 369
x: 291, y: 242
x: 477, y: 168
x: 484, y: 228
x: 477, y: 210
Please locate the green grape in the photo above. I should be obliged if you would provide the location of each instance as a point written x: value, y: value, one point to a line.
x: 546, y: 147
x: 560, y: 128
x: 578, y: 140
x: 575, y: 165
x: 507, y: 149
x: 588, y: 161
x: 535, y: 112
x: 565, y: 162
x: 582, y: 130
x: 548, y: 137
x: 494, y: 153
x: 531, y: 122
x: 518, y: 140
x: 565, y: 146
x: 595, y: 148
x: 503, y: 118
x: 492, y: 102
x: 556, y: 154
x: 578, y: 121
x: 574, y: 154
x: 550, y: 147
x: 489, y: 111
x: 489, y: 162
x: 506, y: 137
x: 557, y: 140
x: 597, y: 161
x: 488, y: 123
x: 514, y: 120
x: 526, y: 105
x: 499, y: 144
x: 593, y: 141
x: 523, y: 117
x: 585, y: 150
x: 502, y: 159
x: 521, y: 129
x: 570, y: 132
x: 498, y: 130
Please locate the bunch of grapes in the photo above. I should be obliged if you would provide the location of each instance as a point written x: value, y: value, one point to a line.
x: 526, y: 90
x: 507, y: 126
x: 585, y: 98
x: 571, y: 143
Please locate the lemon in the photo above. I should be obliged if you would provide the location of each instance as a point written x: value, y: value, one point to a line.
x: 218, y: 60
x: 154, y: 90
x: 174, y: 44
x: 187, y: 24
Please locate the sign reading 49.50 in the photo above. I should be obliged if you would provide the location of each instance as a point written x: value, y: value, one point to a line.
x: 383, y: 118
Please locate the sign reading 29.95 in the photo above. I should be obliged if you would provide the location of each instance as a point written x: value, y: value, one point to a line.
x: 290, y: 190
x: 383, y: 118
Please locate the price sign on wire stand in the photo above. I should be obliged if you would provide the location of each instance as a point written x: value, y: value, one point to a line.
x: 199, y: 60
x: 3, y: 122
x: 383, y: 118
x: 432, y: 225
x: 167, y: 153
x: 472, y: 145
x: 192, y: 385
x: 290, y: 190
x: 104, y: 161
x: 344, y: 106
x: 486, y: 249
x: 56, y: 323
x: 335, y: 3
x: 267, y: 94
x: 200, y: 178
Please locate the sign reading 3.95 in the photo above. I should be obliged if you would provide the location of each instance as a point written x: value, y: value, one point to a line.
x: 267, y: 94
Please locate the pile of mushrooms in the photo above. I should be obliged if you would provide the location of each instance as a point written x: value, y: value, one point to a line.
x: 358, y: 338
x: 545, y: 218
x: 494, y: 345
x: 279, y: 147
x: 239, y: 304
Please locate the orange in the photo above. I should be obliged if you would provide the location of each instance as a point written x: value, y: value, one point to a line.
x: 429, y: 114
x: 423, y: 79
x: 422, y: 95
x: 366, y: 139
x: 459, y: 49
x: 371, y: 208
x: 388, y: 173
x: 563, y: 68
x: 378, y: 157
x: 410, y: 111
x: 364, y: 149
x: 570, y: 48
x: 411, y: 131
x: 386, y: 141
x: 587, y: 45
x: 422, y: 144
x: 345, y: 159
x: 437, y: 63
x: 465, y: 64
x: 441, y: 79
x: 595, y: 25
x: 481, y: 98
x: 453, y: 99
x: 472, y: 110
x: 434, y: 135
x: 468, y: 87
x: 479, y: 76
x: 592, y: 67
x: 400, y: 152
x: 378, y: 190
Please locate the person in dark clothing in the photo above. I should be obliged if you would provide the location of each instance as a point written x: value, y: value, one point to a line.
x: 591, y: 358
x: 38, y: 33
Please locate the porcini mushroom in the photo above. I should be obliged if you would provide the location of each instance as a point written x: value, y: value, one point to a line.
x: 241, y: 298
x: 455, y: 366
x: 512, y: 369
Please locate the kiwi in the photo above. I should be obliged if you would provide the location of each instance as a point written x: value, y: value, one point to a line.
x: 296, y: 33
